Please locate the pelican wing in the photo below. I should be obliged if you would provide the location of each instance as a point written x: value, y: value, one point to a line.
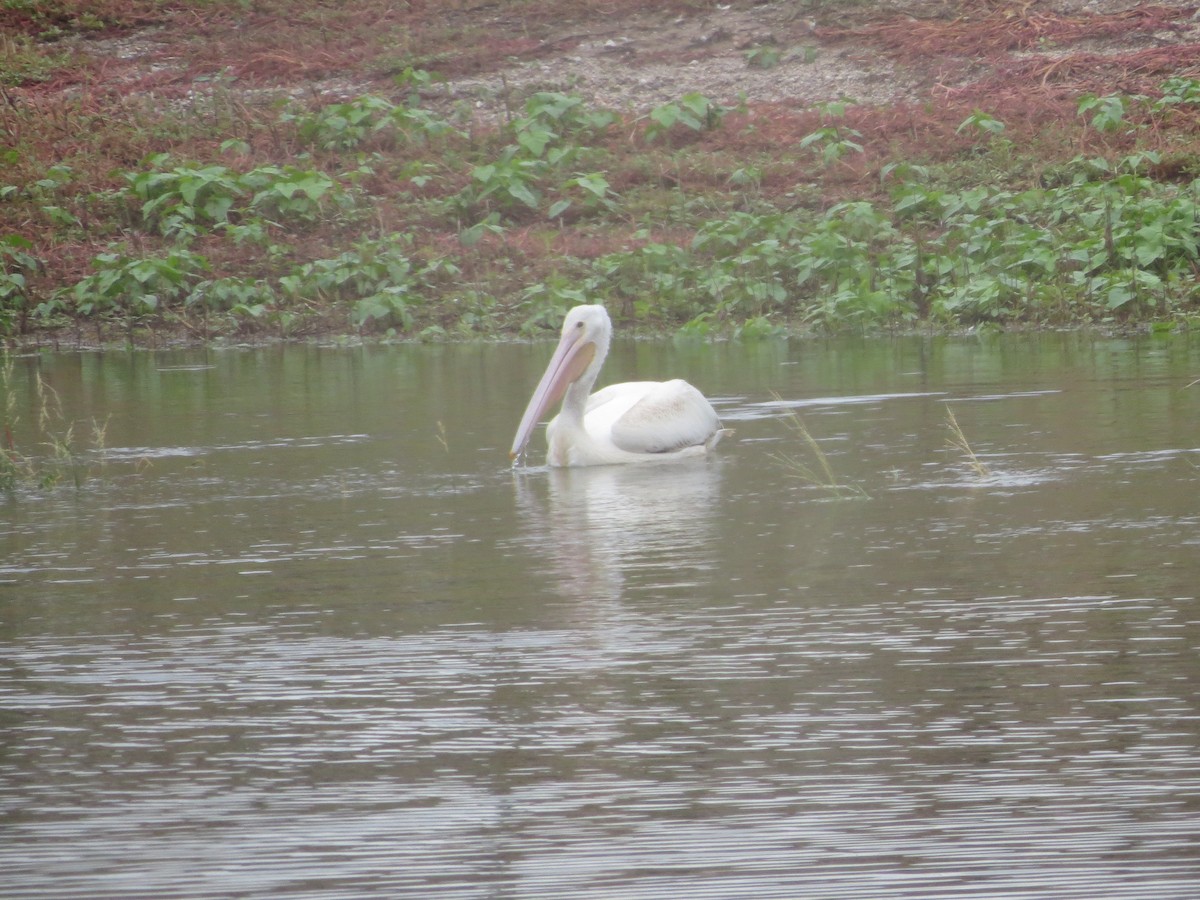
x: 656, y: 417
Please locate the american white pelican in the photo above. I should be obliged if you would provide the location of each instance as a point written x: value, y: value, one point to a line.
x: 637, y: 421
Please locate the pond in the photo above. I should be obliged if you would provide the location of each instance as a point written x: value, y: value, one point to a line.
x: 304, y: 632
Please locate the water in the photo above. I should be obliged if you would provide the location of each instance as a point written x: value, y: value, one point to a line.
x: 307, y: 635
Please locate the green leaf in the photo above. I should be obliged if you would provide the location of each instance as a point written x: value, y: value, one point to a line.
x: 1118, y: 296
x: 595, y: 184
x: 521, y: 191
x: 217, y: 208
x: 1151, y: 246
x: 189, y: 189
x: 16, y: 240
x: 534, y: 140
x: 315, y: 186
x: 696, y: 102
x: 666, y: 115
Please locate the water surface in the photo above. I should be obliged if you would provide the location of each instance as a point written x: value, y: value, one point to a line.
x: 305, y: 633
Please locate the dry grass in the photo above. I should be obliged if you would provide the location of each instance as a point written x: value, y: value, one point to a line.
x: 958, y: 441
x: 986, y: 30
x: 811, y: 467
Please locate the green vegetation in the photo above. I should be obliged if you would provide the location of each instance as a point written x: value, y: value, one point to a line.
x: 409, y: 212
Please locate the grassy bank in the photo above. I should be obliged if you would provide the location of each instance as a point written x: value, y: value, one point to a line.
x: 295, y: 169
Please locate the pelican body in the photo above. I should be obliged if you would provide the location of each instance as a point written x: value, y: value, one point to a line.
x: 636, y: 421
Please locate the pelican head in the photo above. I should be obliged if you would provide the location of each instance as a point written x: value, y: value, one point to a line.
x: 586, y: 333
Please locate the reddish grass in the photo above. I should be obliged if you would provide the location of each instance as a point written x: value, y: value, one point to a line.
x: 37, y: 20
x: 986, y: 30
x: 1132, y: 72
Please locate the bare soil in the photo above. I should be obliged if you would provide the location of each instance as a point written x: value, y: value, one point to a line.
x: 793, y: 53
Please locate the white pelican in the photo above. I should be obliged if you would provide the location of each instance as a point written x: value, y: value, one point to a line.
x: 637, y: 421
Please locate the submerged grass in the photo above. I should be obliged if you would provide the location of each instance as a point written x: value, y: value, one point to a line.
x: 60, y: 459
x: 812, y: 466
x: 957, y: 440
x: 202, y: 199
